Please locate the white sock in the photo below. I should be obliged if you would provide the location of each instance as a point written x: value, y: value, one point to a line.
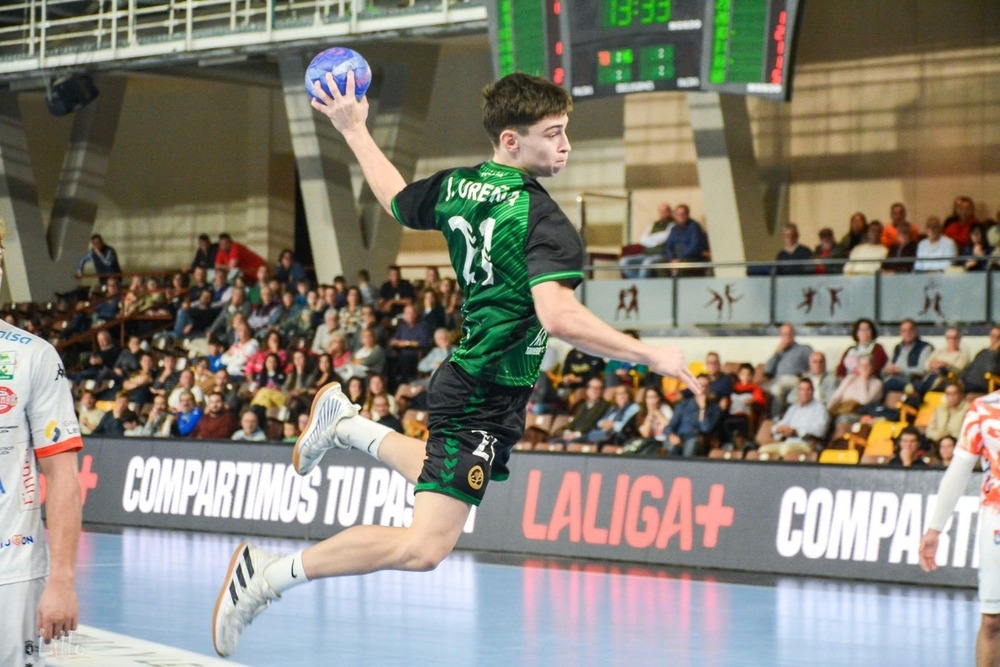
x: 286, y: 572
x: 363, y: 434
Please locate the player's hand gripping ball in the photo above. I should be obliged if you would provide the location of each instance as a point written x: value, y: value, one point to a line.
x: 339, y: 60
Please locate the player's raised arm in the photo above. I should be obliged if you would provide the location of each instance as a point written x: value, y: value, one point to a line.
x: 564, y: 317
x: 350, y: 116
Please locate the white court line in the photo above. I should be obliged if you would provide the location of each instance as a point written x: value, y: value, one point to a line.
x: 91, y: 646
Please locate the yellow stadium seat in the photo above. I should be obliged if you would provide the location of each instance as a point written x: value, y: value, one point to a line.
x: 841, y: 456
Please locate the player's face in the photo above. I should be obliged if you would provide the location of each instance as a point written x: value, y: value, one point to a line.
x: 544, y: 149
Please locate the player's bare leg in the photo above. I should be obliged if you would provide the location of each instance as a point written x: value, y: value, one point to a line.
x: 988, y: 642
x: 437, y: 524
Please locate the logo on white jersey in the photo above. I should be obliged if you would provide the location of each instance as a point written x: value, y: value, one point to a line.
x: 8, y: 399
x: 8, y: 362
x: 537, y: 346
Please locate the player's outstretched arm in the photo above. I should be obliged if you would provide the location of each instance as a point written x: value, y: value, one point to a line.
x: 566, y: 318
x: 349, y: 117
x: 58, y: 610
x: 953, y: 484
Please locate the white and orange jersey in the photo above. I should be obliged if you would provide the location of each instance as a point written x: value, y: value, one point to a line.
x: 981, y: 436
x: 36, y: 420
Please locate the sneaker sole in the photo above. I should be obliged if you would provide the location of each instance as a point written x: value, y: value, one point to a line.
x: 307, y: 431
x: 233, y: 562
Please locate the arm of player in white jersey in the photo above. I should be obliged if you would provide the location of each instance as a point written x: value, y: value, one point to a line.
x: 58, y: 609
x: 564, y: 317
x: 953, y: 484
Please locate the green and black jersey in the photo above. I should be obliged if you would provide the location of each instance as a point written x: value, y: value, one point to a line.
x: 505, y: 234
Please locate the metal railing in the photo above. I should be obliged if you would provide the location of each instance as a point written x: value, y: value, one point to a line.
x: 40, y: 37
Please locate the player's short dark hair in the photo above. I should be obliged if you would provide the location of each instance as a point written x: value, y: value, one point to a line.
x: 518, y: 101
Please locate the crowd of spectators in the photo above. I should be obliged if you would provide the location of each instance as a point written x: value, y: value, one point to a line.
x: 789, y: 405
x: 960, y: 243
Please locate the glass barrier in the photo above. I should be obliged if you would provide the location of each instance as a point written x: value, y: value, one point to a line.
x: 753, y: 294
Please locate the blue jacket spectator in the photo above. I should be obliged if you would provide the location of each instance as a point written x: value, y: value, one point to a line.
x: 289, y: 272
x: 694, y: 422
x: 188, y: 415
x: 103, y: 256
x: 687, y: 242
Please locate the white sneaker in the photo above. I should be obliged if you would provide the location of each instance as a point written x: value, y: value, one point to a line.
x: 319, y: 435
x: 245, y: 594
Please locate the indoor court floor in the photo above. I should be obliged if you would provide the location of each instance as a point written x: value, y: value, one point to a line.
x: 154, y: 590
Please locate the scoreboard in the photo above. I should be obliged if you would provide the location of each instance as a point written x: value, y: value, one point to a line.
x: 598, y: 48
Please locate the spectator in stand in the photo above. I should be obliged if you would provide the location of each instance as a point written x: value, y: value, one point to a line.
x: 652, y: 421
x: 288, y: 311
x: 249, y: 430
x: 235, y: 259
x: 897, y: 223
x: 864, y: 334
x: 127, y: 362
x: 89, y: 415
x: 856, y: 233
x: 977, y: 247
x: 747, y: 402
x: 204, y: 254
x: 369, y: 356
x: 432, y: 313
x: 616, y: 425
x: 185, y: 383
x: 577, y: 370
x: 395, y: 293
x: 902, y: 254
x: 695, y: 422
x: 824, y: 382
x: 438, y: 354
x: 288, y: 271
x: 622, y: 372
x: 650, y: 246
x: 158, y: 422
x: 289, y: 431
x: 687, y: 242
x: 451, y: 301
x: 383, y: 415
x: 908, y: 361
x: 784, y: 368
x: 222, y: 326
x: 369, y: 295
x: 950, y: 413
x: 264, y: 315
x: 153, y: 299
x: 339, y: 353
x: 865, y: 258
x: 859, y: 390
x: 217, y: 422
x: 350, y: 315
x: 793, y: 251
x: 240, y: 352
x: 301, y: 328
x: 587, y: 412
x: 720, y: 385
x: 103, y: 256
x: 259, y: 281
x: 803, y: 427
x: 186, y: 416
x: 324, y: 374
x: 936, y: 252
x: 325, y: 332
x: 959, y: 224
x: 167, y: 377
x: 973, y: 376
x: 944, y: 363
x: 377, y: 387
x: 945, y: 450
x: 408, y: 344
x: 130, y: 424
x: 110, y: 306
x: 355, y: 390
x: 339, y: 292
x: 199, y: 283
x: 99, y: 363
x: 111, y: 423
x: 829, y: 250
x: 908, y: 450
x: 221, y: 291
x: 432, y: 280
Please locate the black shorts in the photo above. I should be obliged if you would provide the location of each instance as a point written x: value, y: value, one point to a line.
x: 473, y: 427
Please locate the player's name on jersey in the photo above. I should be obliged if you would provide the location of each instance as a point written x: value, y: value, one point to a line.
x: 479, y: 191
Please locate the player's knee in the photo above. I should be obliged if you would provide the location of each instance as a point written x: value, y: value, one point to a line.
x: 426, y: 555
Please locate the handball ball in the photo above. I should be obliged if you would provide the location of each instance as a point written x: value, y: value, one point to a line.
x: 340, y: 61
